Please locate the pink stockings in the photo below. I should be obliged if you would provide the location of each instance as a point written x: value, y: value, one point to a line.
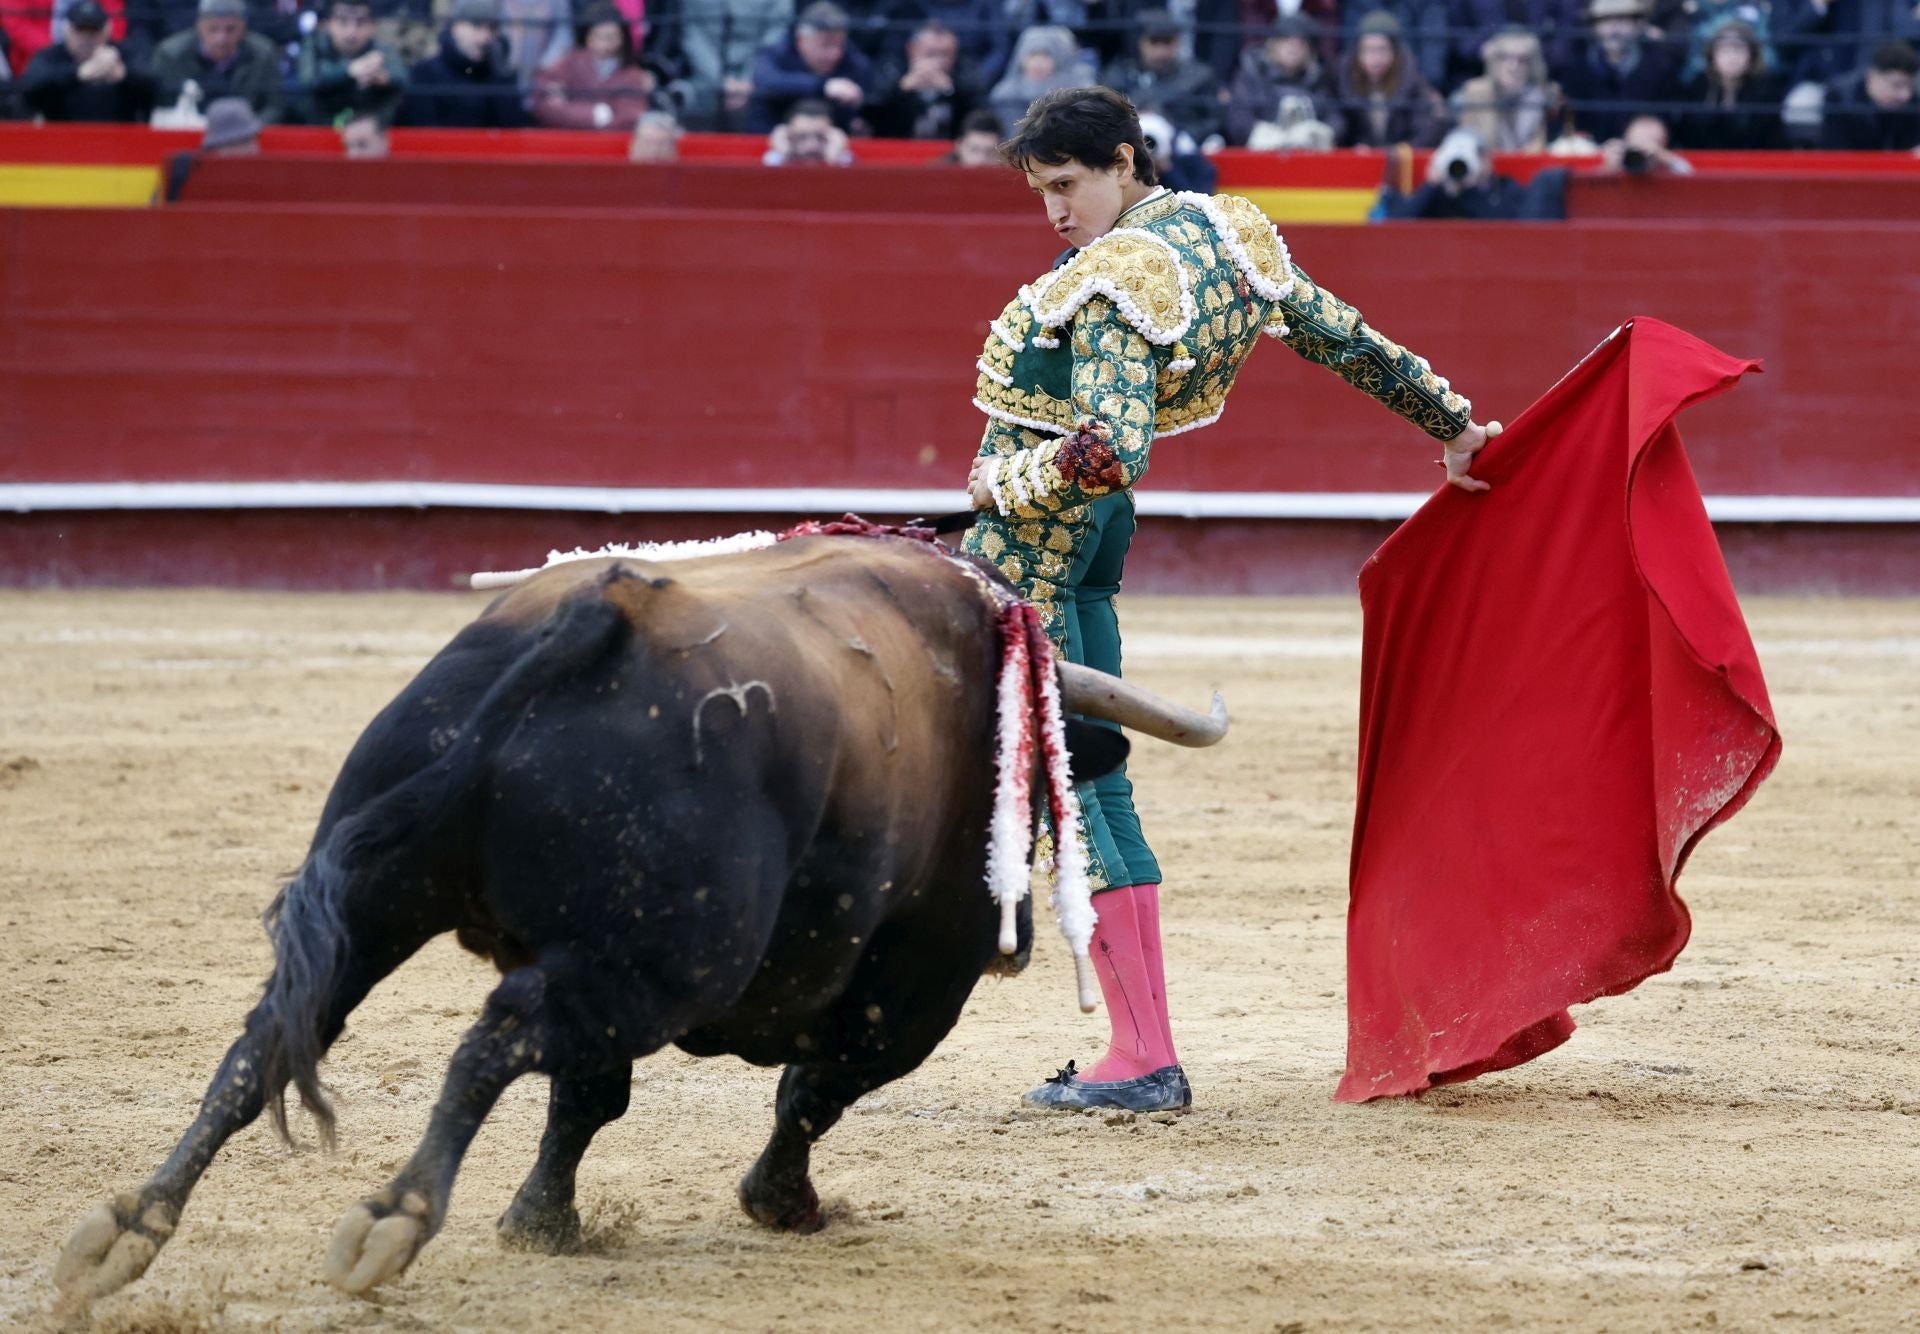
x: 1127, y: 959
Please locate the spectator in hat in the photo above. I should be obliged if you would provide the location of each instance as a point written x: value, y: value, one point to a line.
x: 1044, y: 59
x: 151, y: 22
x: 1514, y: 107
x: 1286, y: 65
x: 1736, y: 97
x: 979, y: 142
x: 220, y: 57
x: 343, y: 71
x: 232, y: 130
x: 656, y: 138
x: 1709, y: 16
x: 27, y: 29
x: 363, y: 134
x: 808, y: 138
x: 1160, y: 77
x: 815, y: 62
x: 928, y: 92
x: 84, y: 76
x: 1619, y: 68
x: 720, y: 40
x: 1874, y: 108
x: 1383, y: 99
x: 599, y: 84
x: 468, y: 83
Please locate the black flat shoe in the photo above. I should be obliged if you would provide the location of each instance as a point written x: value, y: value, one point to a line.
x: 1165, y: 1090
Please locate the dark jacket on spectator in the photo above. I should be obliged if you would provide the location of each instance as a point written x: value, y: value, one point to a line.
x: 1851, y: 119
x: 1412, y: 114
x: 449, y: 90
x: 781, y: 78
x: 1188, y: 94
x: 566, y: 92
x: 252, y: 74
x: 1555, y: 22
x: 1258, y: 86
x: 983, y: 28
x: 1752, y: 122
x: 1607, y: 96
x: 51, y: 87
x: 897, y: 114
x: 151, y: 22
x: 325, y: 89
x: 1852, y: 29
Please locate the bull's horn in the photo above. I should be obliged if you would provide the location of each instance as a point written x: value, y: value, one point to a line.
x: 1108, y: 697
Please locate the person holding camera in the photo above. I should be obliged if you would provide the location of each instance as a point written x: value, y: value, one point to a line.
x: 1461, y: 183
x: 1641, y: 150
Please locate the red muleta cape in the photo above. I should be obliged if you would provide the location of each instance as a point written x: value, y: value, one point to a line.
x: 1558, y: 698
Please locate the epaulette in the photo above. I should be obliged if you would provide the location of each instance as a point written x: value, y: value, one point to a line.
x: 1250, y: 240
x: 1136, y: 270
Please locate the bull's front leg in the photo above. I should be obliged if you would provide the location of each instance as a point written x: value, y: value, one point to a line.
x: 542, y: 1216
x: 777, y: 1190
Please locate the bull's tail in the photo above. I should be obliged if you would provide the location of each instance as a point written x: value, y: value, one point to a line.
x: 307, y: 920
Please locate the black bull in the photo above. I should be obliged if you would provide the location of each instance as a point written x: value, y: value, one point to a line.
x: 737, y: 803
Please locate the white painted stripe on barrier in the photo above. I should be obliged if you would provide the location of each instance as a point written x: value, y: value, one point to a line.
x: 47, y: 497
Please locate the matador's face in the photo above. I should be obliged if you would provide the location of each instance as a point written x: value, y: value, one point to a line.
x: 1083, y: 202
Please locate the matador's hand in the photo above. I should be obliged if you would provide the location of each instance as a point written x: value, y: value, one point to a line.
x: 1459, y: 452
x: 977, y: 489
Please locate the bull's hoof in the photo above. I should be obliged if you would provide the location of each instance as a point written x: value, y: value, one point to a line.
x: 112, y: 1247
x: 787, y: 1211
x: 376, y: 1240
x: 551, y: 1231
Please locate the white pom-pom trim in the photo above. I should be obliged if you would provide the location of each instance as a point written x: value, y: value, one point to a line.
x: 1004, y: 381
x: 1010, y: 832
x: 1271, y: 288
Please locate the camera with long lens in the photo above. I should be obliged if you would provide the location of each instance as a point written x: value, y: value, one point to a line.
x: 1636, y: 162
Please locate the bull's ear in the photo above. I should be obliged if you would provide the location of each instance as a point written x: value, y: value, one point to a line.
x: 1093, y: 750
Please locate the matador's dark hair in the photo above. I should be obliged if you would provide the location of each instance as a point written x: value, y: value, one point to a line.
x: 1085, y: 125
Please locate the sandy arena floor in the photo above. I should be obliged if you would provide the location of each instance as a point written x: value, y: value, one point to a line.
x: 1736, y: 1144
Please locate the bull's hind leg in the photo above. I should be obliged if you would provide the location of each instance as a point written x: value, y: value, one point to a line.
x: 117, y: 1241
x: 542, y: 1216
x: 379, y: 1237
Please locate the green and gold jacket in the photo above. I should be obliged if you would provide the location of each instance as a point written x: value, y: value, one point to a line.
x: 1140, y: 335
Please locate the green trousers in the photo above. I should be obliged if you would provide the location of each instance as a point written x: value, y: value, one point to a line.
x: 1116, y: 848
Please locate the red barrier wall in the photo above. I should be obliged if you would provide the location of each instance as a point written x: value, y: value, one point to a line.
x: 1746, y: 197
x: 476, y: 183
x: 733, y: 349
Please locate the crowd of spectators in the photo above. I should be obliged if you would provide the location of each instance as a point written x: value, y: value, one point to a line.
x: 1529, y: 75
